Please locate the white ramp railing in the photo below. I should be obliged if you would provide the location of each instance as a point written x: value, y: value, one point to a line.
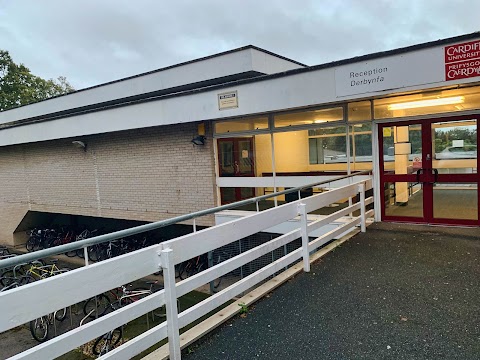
x: 29, y: 302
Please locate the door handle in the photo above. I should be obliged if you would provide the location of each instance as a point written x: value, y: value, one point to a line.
x: 419, y: 172
x: 435, y: 174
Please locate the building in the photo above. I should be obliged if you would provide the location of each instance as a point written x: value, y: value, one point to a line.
x: 124, y: 150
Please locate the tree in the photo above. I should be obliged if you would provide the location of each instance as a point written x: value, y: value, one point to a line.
x: 18, y: 86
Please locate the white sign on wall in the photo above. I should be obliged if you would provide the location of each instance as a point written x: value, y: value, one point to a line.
x: 393, y: 72
x: 228, y: 100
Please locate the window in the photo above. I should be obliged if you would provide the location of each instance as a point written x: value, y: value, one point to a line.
x: 309, y: 117
x: 327, y: 145
x: 235, y: 126
x: 433, y: 102
x: 359, y: 111
x: 361, y: 146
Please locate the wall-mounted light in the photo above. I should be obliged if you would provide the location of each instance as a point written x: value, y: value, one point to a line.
x: 425, y: 103
x: 80, y: 144
x: 199, y: 140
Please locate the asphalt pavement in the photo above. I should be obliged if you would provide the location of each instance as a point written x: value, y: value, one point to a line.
x: 394, y: 292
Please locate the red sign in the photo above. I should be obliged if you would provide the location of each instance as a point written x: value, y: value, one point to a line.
x: 462, y: 60
x: 417, y: 162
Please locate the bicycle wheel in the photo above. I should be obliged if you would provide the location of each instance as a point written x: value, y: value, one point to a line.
x: 185, y: 270
x: 92, y: 255
x: 107, y: 342
x: 60, y: 315
x: 217, y: 282
x: 72, y: 253
x: 99, y: 304
x: 30, y: 244
x: 39, y: 329
x: 7, y: 278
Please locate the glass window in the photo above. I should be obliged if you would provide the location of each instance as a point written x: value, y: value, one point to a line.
x: 400, y: 162
x: 291, y: 152
x: 327, y: 145
x: 360, y: 111
x: 259, y: 123
x: 428, y: 103
x: 361, y: 146
x: 461, y: 197
x: 309, y: 117
x: 263, y: 155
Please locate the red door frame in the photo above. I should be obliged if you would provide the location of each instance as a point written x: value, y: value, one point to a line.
x: 427, y: 177
x: 236, y: 160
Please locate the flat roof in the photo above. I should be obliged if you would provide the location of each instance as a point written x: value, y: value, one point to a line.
x: 241, y: 63
x: 411, y: 68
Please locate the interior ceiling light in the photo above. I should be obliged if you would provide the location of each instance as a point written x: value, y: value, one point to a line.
x: 426, y: 103
x: 319, y: 121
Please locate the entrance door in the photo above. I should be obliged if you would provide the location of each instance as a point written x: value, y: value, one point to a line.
x: 429, y: 171
x: 235, y: 158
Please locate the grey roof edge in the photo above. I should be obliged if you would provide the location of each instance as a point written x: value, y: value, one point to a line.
x: 247, y: 47
x: 371, y: 56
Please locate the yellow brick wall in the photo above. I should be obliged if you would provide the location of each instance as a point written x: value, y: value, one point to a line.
x: 146, y: 174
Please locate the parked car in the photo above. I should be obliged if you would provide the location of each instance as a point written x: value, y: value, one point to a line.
x: 457, y: 152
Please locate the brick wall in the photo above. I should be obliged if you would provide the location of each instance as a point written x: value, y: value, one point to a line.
x: 146, y: 174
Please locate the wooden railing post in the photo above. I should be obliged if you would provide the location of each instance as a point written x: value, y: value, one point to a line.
x: 304, y: 231
x: 361, y: 190
x: 173, y: 330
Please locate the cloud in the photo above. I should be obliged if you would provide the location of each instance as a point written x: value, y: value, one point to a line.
x: 91, y: 41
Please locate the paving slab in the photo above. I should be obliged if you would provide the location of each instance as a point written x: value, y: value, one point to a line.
x: 395, y: 292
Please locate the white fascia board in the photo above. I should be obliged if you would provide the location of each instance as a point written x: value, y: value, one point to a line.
x: 215, y: 67
x: 236, y: 62
x: 268, y: 64
x: 286, y: 92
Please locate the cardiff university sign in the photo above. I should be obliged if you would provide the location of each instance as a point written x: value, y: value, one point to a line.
x: 462, y: 60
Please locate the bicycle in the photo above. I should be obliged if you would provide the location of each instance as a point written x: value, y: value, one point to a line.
x: 40, y: 328
x: 85, y: 234
x: 99, y: 305
x: 41, y: 272
x: 4, y: 251
x: 11, y: 283
x: 107, y: 342
x: 17, y: 274
x: 192, y: 266
x: 219, y: 257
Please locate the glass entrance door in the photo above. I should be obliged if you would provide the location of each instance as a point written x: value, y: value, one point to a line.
x: 429, y: 171
x: 235, y: 158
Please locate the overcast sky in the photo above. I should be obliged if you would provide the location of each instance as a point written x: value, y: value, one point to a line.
x: 95, y: 41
